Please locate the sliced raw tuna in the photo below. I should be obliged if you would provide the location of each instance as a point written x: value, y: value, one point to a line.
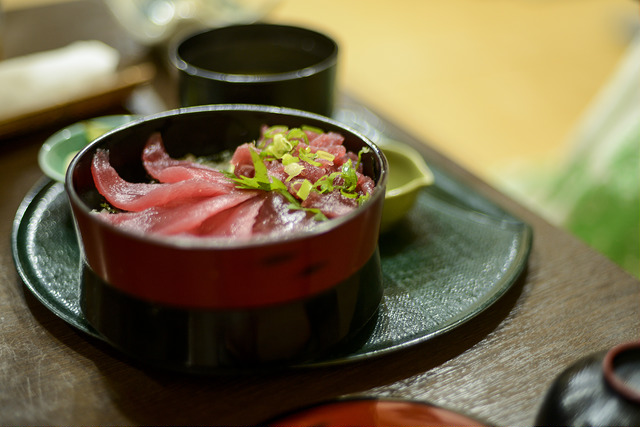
x: 365, y: 184
x: 276, y: 217
x: 180, y: 218
x: 140, y: 196
x: 233, y: 222
x: 189, y: 198
x: 164, y: 168
x: 241, y: 160
x: 332, y: 204
x: 326, y: 140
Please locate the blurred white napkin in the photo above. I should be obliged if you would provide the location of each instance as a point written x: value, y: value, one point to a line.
x: 40, y: 80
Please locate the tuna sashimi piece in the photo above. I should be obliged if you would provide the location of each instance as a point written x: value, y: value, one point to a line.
x: 187, y: 219
x: 337, y: 151
x: 241, y: 160
x: 311, y: 135
x: 235, y: 222
x: 140, y: 196
x: 365, y: 184
x: 275, y: 169
x: 348, y: 156
x: 276, y: 217
x: 327, y: 140
x: 313, y: 173
x: 164, y: 168
x: 332, y: 204
x: 190, y: 198
x: 181, y: 218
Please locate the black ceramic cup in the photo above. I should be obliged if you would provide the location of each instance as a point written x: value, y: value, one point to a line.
x: 601, y: 389
x: 265, y: 64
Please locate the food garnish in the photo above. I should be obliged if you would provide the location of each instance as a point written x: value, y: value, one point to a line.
x: 289, y: 179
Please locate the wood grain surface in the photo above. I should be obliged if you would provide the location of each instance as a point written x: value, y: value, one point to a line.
x: 570, y: 302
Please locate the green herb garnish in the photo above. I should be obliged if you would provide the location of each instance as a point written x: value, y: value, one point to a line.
x: 283, y: 143
x: 260, y: 180
x: 108, y: 208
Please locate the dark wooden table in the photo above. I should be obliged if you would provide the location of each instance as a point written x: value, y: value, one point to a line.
x: 570, y: 302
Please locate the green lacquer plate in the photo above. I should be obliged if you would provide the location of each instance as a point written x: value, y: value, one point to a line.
x: 450, y: 258
x: 58, y: 150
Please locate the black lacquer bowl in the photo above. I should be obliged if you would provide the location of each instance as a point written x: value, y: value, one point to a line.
x: 601, y: 389
x: 261, y: 63
x: 206, y: 305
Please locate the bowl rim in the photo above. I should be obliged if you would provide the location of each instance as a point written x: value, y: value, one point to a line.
x: 185, y: 66
x: 195, y: 243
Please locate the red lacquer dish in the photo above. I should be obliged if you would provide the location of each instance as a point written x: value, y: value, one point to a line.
x: 213, y: 302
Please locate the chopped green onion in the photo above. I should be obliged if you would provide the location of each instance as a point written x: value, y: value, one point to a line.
x: 348, y: 174
x: 307, y: 156
x: 312, y: 129
x: 362, y: 151
x: 325, y: 183
x: 305, y: 189
x: 287, y: 159
x: 325, y: 155
x: 363, y: 198
x: 280, y: 146
x: 260, y: 179
x: 297, y: 133
x: 274, y: 130
x: 283, y: 142
x: 293, y: 169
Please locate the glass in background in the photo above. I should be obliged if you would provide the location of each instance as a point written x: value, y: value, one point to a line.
x: 153, y: 22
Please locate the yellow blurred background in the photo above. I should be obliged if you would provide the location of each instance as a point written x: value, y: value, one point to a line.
x: 486, y: 82
x: 493, y: 84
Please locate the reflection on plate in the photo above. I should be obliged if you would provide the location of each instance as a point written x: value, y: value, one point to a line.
x: 375, y: 413
x: 449, y: 259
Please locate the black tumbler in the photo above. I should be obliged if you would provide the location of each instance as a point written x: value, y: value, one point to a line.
x: 265, y: 64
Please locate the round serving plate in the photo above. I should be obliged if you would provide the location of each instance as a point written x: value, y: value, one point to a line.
x: 452, y: 257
